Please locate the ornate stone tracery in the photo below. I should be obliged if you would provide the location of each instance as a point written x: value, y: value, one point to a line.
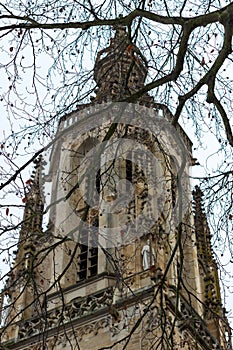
x: 72, y: 337
x: 72, y: 311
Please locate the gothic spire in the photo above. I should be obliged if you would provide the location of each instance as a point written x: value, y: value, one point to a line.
x: 33, y: 213
x: 120, y: 69
x: 201, y: 226
x: 28, y: 240
x: 205, y: 253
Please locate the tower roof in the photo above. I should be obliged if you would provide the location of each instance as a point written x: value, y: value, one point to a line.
x: 120, y: 69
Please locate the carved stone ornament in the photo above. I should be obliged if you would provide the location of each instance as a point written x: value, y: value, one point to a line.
x: 198, y: 329
x: 74, y: 336
x: 79, y: 307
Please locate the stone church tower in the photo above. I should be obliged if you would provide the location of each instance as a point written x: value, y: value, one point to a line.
x: 126, y: 261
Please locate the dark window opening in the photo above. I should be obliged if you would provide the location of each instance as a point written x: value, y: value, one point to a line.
x: 129, y: 173
x: 88, y: 252
x: 83, y: 262
x: 173, y: 189
x: 98, y: 181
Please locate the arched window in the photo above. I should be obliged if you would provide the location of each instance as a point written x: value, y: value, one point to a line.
x: 88, y: 252
x: 84, y: 195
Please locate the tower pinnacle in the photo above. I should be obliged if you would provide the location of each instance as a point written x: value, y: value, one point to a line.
x: 120, y: 69
x: 34, y: 203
